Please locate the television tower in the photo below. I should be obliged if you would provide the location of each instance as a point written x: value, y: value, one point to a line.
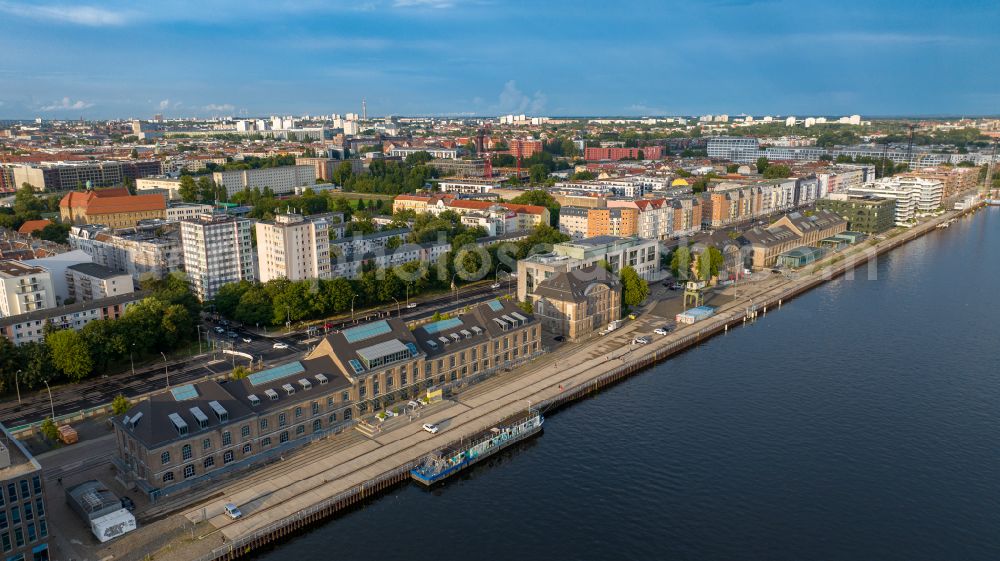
x: 364, y: 110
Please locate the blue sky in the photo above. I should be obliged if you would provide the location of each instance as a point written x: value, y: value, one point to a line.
x: 485, y: 57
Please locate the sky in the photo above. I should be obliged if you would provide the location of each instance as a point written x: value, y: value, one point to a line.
x: 116, y: 59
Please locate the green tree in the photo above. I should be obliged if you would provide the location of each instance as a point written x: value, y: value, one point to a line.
x: 732, y: 168
x: 680, y: 263
x: 421, y: 157
x: 120, y: 404
x: 538, y: 173
x: 70, y: 354
x: 525, y: 306
x: 239, y: 372
x: 49, y: 429
x: 541, y: 198
x: 634, y: 287
x: 716, y: 261
x: 777, y: 172
x: 188, y: 190
x: 762, y: 164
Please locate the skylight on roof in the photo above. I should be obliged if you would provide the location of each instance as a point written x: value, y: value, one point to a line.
x: 495, y: 305
x: 276, y: 373
x: 443, y: 325
x: 367, y: 331
x: 185, y: 392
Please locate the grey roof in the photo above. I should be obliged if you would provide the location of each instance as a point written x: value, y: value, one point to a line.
x: 572, y: 285
x: 155, y: 429
x: 478, y: 322
x: 46, y: 313
x: 241, y: 390
x: 95, y: 270
x: 597, y: 241
x: 345, y: 351
x: 774, y: 235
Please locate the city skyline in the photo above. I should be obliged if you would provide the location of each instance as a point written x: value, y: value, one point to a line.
x: 469, y: 58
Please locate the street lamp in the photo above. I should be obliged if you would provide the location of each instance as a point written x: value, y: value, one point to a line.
x: 352, y: 307
x: 165, y: 368
x: 397, y: 306
x: 51, y: 403
x: 17, y: 387
x: 454, y: 287
x: 198, y: 328
x: 132, y: 350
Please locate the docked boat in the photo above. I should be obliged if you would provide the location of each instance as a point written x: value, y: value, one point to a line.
x: 454, y: 458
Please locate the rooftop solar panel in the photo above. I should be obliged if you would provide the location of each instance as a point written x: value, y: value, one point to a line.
x: 367, y: 331
x: 185, y: 392
x: 276, y: 373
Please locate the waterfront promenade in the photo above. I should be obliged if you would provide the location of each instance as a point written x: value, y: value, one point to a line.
x: 330, y: 469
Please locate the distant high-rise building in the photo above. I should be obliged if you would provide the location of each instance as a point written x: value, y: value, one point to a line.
x: 790, y: 121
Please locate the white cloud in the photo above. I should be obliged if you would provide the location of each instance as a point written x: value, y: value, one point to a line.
x: 66, y: 103
x: 646, y: 110
x: 436, y: 4
x: 513, y: 100
x: 80, y: 15
x: 219, y: 108
x: 164, y: 104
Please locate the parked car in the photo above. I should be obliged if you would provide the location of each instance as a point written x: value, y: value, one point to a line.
x: 411, y: 305
x: 233, y: 511
x: 413, y: 404
x: 676, y: 286
x: 128, y: 504
x: 247, y: 339
x: 219, y: 330
x: 632, y: 316
x: 232, y: 335
x: 433, y: 429
x: 640, y: 341
x: 661, y: 331
x: 279, y: 345
x: 559, y: 338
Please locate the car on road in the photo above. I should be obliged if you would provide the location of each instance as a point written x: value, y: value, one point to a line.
x: 495, y: 285
x: 413, y: 404
x: 279, y: 345
x: 411, y: 305
x: 640, y: 341
x: 431, y: 428
x: 247, y: 339
x: 232, y: 334
x: 219, y: 330
x: 233, y: 511
x: 676, y: 286
x: 632, y: 316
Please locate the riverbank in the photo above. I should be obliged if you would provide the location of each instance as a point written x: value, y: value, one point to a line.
x: 283, y: 504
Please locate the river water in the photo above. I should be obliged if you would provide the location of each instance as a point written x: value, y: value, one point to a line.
x: 861, y: 421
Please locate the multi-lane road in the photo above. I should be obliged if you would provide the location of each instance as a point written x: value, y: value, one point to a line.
x: 95, y: 392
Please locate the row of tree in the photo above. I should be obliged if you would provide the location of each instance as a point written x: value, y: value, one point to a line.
x: 162, y: 322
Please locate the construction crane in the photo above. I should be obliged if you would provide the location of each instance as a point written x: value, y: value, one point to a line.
x: 909, y: 147
x: 481, y: 135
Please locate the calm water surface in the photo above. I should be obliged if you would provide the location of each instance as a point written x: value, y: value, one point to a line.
x: 861, y: 421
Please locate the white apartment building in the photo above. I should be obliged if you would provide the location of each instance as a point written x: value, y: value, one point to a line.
x: 841, y: 178
x: 906, y: 199
x: 445, y: 153
x: 914, y: 196
x: 30, y: 327
x: 217, y: 251
x: 655, y: 217
x: 179, y: 211
x: 733, y: 148
x: 169, y: 187
x: 280, y: 180
x: 469, y: 186
x: 24, y: 288
x: 90, y: 281
x: 573, y: 221
x: 618, y: 252
x: 149, y: 250
x: 428, y: 253
x: 294, y: 247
